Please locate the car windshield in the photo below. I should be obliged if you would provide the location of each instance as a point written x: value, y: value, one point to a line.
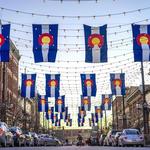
x: 132, y: 132
x: 114, y: 132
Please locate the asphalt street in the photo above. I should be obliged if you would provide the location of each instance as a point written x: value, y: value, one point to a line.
x: 76, y: 148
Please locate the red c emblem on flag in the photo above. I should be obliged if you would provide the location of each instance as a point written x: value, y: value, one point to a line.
x: 106, y: 101
x: 49, y: 111
x: 117, y: 82
x: 2, y: 39
x: 88, y: 82
x: 46, y: 39
x: 59, y: 101
x: 85, y: 101
x: 143, y: 39
x: 95, y: 40
x: 53, y: 83
x: 98, y: 110
x: 43, y: 101
x: 28, y: 82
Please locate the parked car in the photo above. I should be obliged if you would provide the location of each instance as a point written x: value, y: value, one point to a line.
x: 110, y: 137
x: 116, y: 138
x: 29, y: 139
x: 94, y: 141
x: 47, y: 140
x: 101, y: 139
x: 36, y: 138
x: 19, y: 138
x: 6, y: 137
x: 131, y: 137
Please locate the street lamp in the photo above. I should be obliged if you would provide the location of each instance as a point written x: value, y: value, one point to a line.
x: 145, y: 109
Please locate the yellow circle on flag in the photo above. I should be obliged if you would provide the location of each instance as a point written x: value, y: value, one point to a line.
x: 95, y: 41
x: 88, y: 83
x: 46, y: 40
x: 53, y: 83
x: 28, y: 83
x: 85, y: 101
x: 144, y: 40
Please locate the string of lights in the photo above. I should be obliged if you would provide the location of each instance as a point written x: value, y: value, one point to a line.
x: 80, y: 29
x: 139, y: 10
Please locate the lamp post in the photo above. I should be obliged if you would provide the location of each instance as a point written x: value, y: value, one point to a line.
x: 145, y: 110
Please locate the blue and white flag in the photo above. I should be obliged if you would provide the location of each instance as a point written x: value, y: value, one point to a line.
x: 45, y: 42
x: 82, y: 113
x: 98, y: 112
x: 69, y: 122
x: 86, y: 103
x: 52, y: 85
x: 28, y: 85
x: 141, y: 42
x: 55, y: 118
x: 95, y: 44
x: 42, y: 103
x: 60, y: 104
x: 64, y: 114
x: 58, y: 123
x: 4, y: 42
x: 50, y: 113
x: 80, y: 121
x: 94, y: 119
x: 88, y: 83
x: 106, y: 101
x: 117, y: 83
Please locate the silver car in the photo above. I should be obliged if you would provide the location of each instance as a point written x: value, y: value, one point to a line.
x: 47, y: 140
x: 6, y: 137
x: 131, y: 137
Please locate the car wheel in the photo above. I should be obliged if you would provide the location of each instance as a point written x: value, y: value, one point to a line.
x: 4, y: 143
x: 45, y: 144
x: 12, y: 144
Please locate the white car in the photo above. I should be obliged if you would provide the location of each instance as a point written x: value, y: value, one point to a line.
x: 6, y: 137
x: 131, y: 137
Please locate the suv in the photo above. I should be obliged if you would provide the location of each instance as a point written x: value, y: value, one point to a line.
x: 110, y: 137
x: 6, y: 136
x: 19, y: 138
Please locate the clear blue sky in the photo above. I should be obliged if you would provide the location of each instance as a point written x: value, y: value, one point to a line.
x: 70, y: 71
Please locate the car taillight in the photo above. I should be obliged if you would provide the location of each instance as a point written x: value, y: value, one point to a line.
x: 1, y: 131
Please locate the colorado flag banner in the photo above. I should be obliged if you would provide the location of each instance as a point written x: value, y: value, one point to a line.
x: 50, y: 113
x: 95, y: 44
x: 60, y: 104
x: 52, y: 85
x: 58, y: 123
x: 64, y: 114
x: 88, y: 83
x: 55, y: 118
x: 117, y: 83
x: 45, y: 42
x: 106, y: 101
x: 94, y: 119
x: 69, y: 122
x: 80, y: 121
x: 141, y: 42
x: 98, y: 112
x: 86, y: 103
x: 28, y: 85
x: 42, y: 103
x: 4, y: 42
